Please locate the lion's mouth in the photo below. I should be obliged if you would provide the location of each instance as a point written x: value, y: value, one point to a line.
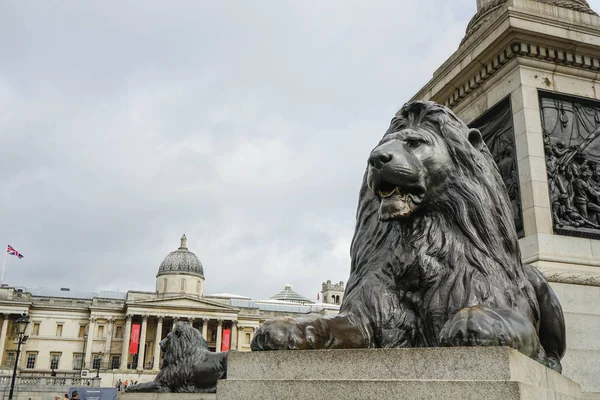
x: 398, y: 202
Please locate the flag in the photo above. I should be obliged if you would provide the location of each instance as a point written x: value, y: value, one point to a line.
x: 10, y: 250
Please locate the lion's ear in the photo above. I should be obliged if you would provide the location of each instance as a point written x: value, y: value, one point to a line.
x: 476, y: 139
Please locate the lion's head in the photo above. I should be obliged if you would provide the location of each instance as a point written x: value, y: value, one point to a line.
x: 182, y: 342
x: 432, y: 183
x: 426, y: 149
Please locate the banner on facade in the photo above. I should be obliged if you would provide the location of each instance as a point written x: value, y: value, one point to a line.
x: 134, y: 342
x: 226, y: 343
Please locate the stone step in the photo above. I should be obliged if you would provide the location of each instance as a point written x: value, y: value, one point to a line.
x: 448, y: 364
x: 383, y: 389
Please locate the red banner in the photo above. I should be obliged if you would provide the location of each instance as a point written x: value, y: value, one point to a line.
x: 226, y: 343
x: 134, y: 342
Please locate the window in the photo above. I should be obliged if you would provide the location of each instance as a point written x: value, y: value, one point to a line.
x: 10, y: 360
x: 77, y: 361
x: 36, y: 329
x: 59, y: 328
x: 81, y: 330
x: 100, y: 331
x: 119, y: 332
x: 31, y: 357
x: 115, y: 362
x: 54, y: 359
x: 96, y: 362
x: 182, y: 284
x: 248, y: 337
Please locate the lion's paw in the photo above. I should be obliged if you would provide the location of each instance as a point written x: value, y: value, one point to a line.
x: 477, y: 326
x: 284, y: 333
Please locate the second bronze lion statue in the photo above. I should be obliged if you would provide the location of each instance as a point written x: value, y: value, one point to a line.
x: 435, y: 254
x: 188, y: 366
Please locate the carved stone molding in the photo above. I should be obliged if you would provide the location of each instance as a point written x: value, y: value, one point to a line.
x: 572, y: 278
x: 522, y: 49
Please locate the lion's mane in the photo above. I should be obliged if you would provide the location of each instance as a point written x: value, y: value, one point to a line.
x: 188, y: 366
x: 457, y: 244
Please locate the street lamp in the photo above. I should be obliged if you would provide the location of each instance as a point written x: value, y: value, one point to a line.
x: 21, y: 326
x: 85, y: 337
x: 99, y: 362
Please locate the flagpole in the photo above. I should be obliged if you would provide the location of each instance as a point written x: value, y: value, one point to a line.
x: 4, y: 267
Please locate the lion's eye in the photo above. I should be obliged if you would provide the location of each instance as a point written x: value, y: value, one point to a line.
x: 414, y: 142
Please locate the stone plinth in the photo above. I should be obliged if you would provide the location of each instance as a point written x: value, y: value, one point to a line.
x: 168, y: 396
x: 429, y: 373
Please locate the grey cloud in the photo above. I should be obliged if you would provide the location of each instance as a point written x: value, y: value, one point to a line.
x: 245, y: 125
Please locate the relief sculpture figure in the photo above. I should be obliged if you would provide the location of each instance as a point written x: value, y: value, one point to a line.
x: 435, y: 257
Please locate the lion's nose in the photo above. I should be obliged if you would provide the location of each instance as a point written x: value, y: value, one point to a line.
x: 379, y: 158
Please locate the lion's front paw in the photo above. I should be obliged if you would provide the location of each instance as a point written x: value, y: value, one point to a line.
x: 284, y: 333
x: 477, y: 326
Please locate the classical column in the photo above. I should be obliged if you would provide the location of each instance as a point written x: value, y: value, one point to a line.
x: 175, y: 321
x: 157, y: 339
x: 3, y: 335
x: 241, y: 333
x: 234, y: 338
x: 90, y: 342
x: 126, y: 337
x: 108, y: 344
x: 254, y: 329
x: 219, y: 335
x: 205, y: 328
x: 191, y: 321
x: 142, y: 345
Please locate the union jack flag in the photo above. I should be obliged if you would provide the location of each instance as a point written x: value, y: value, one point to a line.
x: 13, y: 252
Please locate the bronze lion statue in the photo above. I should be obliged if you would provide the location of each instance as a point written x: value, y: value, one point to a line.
x: 188, y: 366
x: 435, y: 255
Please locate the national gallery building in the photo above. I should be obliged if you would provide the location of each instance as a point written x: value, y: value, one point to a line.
x: 119, y: 333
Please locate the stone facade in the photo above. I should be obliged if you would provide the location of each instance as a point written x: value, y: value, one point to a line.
x: 332, y: 293
x: 521, y: 52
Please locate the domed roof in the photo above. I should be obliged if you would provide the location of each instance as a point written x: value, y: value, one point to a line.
x: 287, y: 294
x: 182, y: 262
x: 487, y: 8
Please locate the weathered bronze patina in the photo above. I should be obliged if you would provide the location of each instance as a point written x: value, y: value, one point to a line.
x: 188, y: 366
x: 435, y: 254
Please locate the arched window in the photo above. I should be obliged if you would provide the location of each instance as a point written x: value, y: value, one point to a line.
x: 182, y: 284
x: 337, y: 299
x: 333, y: 299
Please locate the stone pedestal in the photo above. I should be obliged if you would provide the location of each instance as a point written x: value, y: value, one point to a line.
x: 428, y: 373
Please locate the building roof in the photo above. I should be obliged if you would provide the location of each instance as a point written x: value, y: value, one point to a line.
x: 228, y: 296
x: 69, y: 294
x: 288, y: 294
x: 181, y: 261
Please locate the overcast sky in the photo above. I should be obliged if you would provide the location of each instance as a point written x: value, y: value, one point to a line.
x: 245, y: 125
